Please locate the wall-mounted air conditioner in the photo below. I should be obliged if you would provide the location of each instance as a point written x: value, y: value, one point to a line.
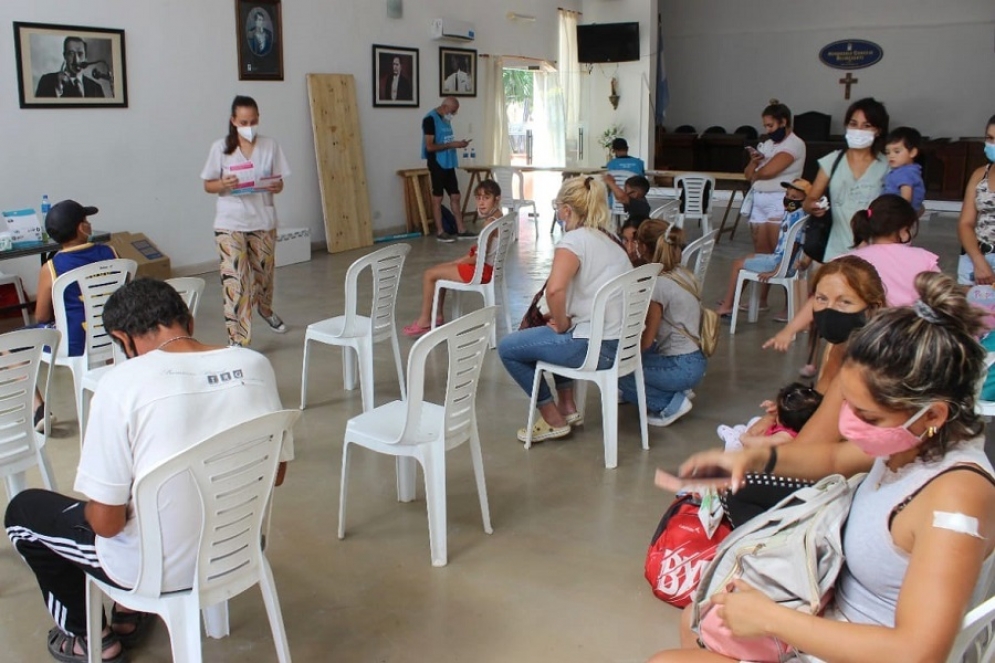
x: 445, y: 28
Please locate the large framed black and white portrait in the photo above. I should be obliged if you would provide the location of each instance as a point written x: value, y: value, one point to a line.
x: 457, y: 72
x: 395, y: 76
x: 259, y: 33
x: 70, y: 66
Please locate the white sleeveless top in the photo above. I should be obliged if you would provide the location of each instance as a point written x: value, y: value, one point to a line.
x: 867, y: 590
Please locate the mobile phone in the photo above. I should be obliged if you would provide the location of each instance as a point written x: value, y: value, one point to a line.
x: 697, y: 484
x: 752, y: 151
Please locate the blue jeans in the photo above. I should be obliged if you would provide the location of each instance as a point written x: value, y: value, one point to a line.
x: 667, y: 378
x: 522, y: 350
x: 965, y: 268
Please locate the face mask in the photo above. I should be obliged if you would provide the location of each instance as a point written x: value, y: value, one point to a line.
x: 248, y: 133
x: 859, y: 138
x: 990, y: 151
x: 880, y: 441
x: 448, y: 117
x: 778, y: 134
x: 791, y: 205
x: 835, y: 326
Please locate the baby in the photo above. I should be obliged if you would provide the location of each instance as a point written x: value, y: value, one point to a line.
x: 905, y: 177
x: 795, y: 405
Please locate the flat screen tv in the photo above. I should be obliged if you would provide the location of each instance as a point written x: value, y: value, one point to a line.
x: 608, y: 42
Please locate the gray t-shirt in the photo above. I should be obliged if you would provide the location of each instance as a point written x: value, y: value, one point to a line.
x: 601, y: 259
x: 681, y: 310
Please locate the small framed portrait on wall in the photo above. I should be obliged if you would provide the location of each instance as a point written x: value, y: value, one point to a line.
x: 395, y: 76
x: 259, y: 31
x: 457, y: 72
x: 70, y: 66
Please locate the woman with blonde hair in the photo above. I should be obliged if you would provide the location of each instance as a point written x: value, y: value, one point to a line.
x: 585, y: 258
x: 672, y: 359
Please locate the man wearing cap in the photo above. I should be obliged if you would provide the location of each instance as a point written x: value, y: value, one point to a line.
x: 68, y: 225
x: 622, y: 160
x: 766, y: 264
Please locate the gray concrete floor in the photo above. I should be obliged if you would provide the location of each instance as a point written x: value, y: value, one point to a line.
x: 561, y: 577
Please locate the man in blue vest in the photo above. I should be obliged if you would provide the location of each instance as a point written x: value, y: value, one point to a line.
x: 622, y: 160
x: 439, y: 150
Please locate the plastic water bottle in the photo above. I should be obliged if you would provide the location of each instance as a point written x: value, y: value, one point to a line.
x: 45, y: 206
x: 473, y: 155
x: 466, y: 153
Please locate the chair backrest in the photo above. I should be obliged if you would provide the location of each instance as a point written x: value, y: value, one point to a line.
x: 746, y: 130
x: 696, y: 191
x: 467, y: 339
x: 20, y: 357
x: 97, y: 281
x: 685, y: 129
x: 191, y: 288
x: 233, y: 472
x: 715, y: 129
x: 505, y: 177
x: 620, y: 176
x: 636, y: 289
x: 492, y: 247
x: 386, y: 265
x: 700, y: 251
x: 790, y: 252
x: 976, y: 641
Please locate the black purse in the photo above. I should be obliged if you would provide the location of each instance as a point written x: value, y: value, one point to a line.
x: 533, y: 316
x: 817, y: 229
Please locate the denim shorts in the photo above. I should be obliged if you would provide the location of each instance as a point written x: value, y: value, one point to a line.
x: 762, y: 262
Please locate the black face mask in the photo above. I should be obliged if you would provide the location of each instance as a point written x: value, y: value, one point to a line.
x: 835, y: 326
x: 777, y: 135
x: 792, y: 205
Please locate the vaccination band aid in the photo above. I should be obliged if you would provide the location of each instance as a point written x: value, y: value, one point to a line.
x: 956, y: 522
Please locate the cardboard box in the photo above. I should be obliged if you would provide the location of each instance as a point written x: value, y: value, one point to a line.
x: 293, y: 245
x: 151, y: 261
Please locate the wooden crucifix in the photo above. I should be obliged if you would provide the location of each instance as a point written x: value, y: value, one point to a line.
x: 848, y: 80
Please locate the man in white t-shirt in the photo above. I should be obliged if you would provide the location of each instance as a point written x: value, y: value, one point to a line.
x: 172, y: 393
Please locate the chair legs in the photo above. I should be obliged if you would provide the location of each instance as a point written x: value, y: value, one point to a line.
x: 272, y: 603
x: 407, y: 474
x: 532, y: 408
x: 343, y: 488
x: 609, y: 421
x: 641, y: 404
x: 399, y: 364
x: 478, y: 473
x: 735, y: 302
x: 434, y: 469
x: 304, y: 372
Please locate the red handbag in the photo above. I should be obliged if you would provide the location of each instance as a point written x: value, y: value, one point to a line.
x: 680, y: 551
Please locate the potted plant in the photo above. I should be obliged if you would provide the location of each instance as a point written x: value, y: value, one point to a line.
x: 610, y: 134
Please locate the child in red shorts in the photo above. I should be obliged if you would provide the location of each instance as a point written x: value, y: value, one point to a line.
x: 488, y: 197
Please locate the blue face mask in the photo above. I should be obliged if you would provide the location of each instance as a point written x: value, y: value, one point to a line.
x: 777, y: 135
x: 990, y: 151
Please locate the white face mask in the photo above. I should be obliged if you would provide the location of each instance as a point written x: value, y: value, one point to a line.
x: 448, y: 117
x: 248, y: 133
x: 859, y: 138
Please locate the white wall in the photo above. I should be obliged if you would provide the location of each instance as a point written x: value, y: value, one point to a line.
x: 726, y: 59
x: 141, y: 165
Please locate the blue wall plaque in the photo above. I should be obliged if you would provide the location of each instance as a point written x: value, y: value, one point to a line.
x: 851, y: 54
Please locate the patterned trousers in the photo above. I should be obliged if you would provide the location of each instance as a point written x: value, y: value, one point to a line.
x: 247, y: 261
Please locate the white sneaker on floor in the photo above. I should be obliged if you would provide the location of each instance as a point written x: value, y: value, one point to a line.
x: 657, y: 418
x: 274, y: 322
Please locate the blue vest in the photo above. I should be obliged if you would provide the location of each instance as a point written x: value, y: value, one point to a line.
x: 443, y: 134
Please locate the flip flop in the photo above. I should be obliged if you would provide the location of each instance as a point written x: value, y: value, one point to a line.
x: 414, y: 330
x: 142, y: 622
x: 746, y: 307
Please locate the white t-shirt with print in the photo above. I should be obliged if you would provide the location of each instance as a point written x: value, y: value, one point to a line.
x: 792, y: 145
x: 148, y: 409
x: 251, y: 211
x: 601, y: 259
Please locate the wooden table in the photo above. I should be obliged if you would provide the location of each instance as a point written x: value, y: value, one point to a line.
x: 479, y: 173
x: 741, y: 185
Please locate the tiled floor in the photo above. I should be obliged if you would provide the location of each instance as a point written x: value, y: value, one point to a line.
x: 561, y: 577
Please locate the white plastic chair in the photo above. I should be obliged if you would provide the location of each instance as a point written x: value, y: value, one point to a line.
x: 780, y: 277
x: 360, y: 332
x: 97, y: 282
x: 696, y: 204
x: 21, y: 447
x: 634, y: 289
x: 618, y: 209
x: 976, y: 641
x: 191, y: 288
x: 982, y: 407
x: 514, y: 199
x: 493, y: 252
x: 234, y: 473
x: 416, y: 430
x: 700, y: 252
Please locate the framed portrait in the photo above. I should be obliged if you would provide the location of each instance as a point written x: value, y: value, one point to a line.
x: 259, y: 34
x: 395, y: 76
x: 70, y: 66
x: 457, y: 72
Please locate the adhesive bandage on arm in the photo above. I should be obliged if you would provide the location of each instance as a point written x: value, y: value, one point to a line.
x: 957, y: 522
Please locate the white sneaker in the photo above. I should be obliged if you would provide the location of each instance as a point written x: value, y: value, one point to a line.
x: 274, y: 322
x: 657, y: 418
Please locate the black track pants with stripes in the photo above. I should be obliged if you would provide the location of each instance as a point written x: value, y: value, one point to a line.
x: 50, y: 532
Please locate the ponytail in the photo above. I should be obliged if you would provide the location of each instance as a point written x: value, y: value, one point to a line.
x: 587, y: 197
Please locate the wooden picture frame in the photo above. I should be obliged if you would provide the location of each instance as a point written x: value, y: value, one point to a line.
x: 259, y: 35
x: 457, y: 72
x: 70, y: 66
x: 395, y: 77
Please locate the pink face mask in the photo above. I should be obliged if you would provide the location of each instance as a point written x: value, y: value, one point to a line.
x: 881, y: 441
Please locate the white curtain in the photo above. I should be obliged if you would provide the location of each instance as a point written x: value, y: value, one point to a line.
x: 570, y: 84
x: 549, y: 137
x: 494, y: 148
